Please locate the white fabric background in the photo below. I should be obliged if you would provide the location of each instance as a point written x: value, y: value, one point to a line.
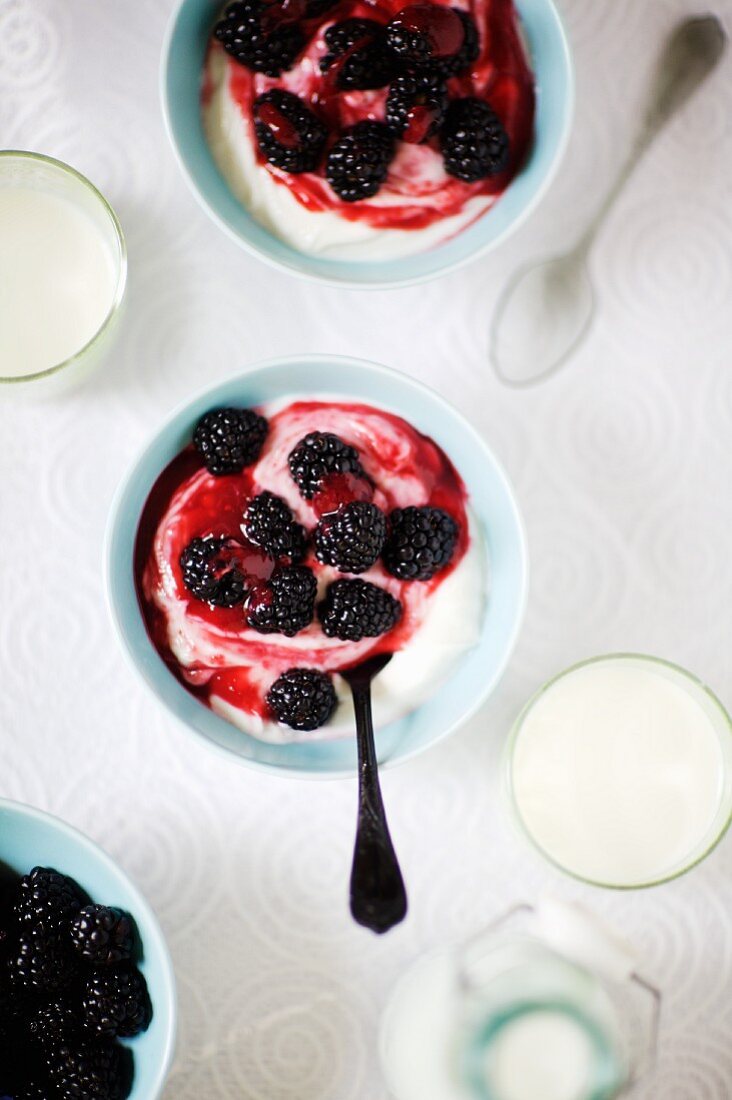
x: 623, y: 466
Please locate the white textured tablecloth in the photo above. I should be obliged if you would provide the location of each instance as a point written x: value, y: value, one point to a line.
x: 623, y: 467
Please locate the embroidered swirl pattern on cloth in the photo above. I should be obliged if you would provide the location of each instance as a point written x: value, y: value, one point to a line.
x: 622, y: 465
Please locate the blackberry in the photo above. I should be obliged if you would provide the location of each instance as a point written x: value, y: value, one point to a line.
x: 302, y: 698
x: 353, y: 610
x: 358, y: 163
x: 230, y: 439
x: 34, y: 1090
x: 289, y: 135
x: 357, y: 54
x: 42, y: 960
x: 319, y: 455
x: 115, y: 1002
x: 16, y: 1065
x: 421, y: 541
x: 314, y: 9
x: 351, y: 538
x: 468, y: 53
x: 7, y: 1007
x: 416, y: 105
x: 269, y: 523
x: 15, y: 1052
x: 285, y: 603
x: 93, y: 1071
x: 54, y: 1024
x: 15, y: 1003
x: 45, y: 899
x: 251, y: 32
x: 474, y: 142
x: 429, y: 34
x: 212, y: 571
x: 102, y: 935
x: 8, y: 896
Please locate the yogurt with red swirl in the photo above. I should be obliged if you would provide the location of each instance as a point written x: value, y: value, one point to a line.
x: 231, y: 666
x: 420, y: 203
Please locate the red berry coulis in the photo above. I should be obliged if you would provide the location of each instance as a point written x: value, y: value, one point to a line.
x: 439, y: 25
x: 279, y: 124
x: 501, y: 75
x: 216, y: 506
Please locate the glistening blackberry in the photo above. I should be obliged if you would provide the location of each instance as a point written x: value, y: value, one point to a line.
x: 115, y: 1002
x: 285, y: 603
x: 416, y: 105
x: 229, y: 439
x: 61, y: 1002
x: 474, y: 141
x: 302, y: 698
x: 358, y: 163
x: 212, y: 571
x: 269, y: 523
x: 421, y: 541
x: 102, y: 935
x: 289, y: 135
x: 250, y: 31
x: 317, y: 456
x: 357, y: 55
x: 351, y: 538
x: 356, y: 609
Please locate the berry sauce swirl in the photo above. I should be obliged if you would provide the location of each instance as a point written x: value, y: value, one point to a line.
x: 211, y: 649
x: 417, y: 192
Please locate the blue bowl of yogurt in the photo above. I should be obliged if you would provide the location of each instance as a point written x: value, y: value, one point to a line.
x: 500, y: 564
x: 30, y: 838
x: 183, y: 63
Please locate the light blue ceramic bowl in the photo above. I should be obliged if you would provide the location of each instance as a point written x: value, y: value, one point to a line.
x: 491, y: 498
x: 30, y: 838
x: 183, y: 58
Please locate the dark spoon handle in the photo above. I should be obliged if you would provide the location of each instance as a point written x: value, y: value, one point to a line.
x: 378, y: 897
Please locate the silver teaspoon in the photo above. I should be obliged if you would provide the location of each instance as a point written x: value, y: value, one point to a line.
x: 546, y: 309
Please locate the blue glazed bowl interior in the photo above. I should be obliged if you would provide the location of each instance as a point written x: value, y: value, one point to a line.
x: 491, y: 499
x: 181, y: 83
x: 30, y: 838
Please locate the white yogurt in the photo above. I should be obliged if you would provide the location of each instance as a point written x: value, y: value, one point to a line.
x: 57, y: 280
x: 317, y: 232
x: 450, y: 626
x: 619, y: 770
x: 445, y: 620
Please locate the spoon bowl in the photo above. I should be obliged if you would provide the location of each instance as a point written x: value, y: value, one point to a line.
x: 542, y: 316
x: 546, y: 310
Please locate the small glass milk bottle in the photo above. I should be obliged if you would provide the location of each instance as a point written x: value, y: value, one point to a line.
x: 544, y: 1005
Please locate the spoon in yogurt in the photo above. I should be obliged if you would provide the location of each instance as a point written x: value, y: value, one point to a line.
x: 545, y: 311
x: 378, y: 896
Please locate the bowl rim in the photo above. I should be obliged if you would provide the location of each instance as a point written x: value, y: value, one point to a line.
x: 354, y: 283
x: 122, y: 265
x: 112, y: 580
x: 512, y: 740
x: 160, y: 947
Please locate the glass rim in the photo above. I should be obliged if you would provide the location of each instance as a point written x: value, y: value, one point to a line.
x: 121, y: 265
x: 606, y: 1067
x: 510, y: 750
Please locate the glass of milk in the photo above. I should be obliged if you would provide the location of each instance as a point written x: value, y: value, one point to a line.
x: 620, y: 771
x: 63, y: 268
x: 544, y: 1005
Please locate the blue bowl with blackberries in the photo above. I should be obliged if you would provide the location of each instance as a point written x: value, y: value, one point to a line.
x: 238, y: 587
x: 416, y: 88
x: 87, y: 994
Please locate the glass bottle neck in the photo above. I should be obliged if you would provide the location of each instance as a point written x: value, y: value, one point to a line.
x: 540, y: 1048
